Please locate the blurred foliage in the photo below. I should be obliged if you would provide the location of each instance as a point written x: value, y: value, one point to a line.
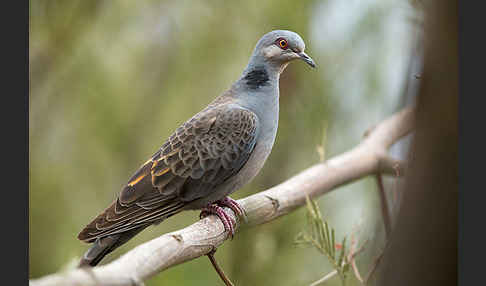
x: 321, y: 236
x: 110, y: 80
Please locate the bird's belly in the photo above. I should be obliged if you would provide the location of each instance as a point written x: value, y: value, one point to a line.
x: 252, y: 166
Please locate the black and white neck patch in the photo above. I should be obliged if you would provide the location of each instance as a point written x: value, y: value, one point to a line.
x: 256, y: 77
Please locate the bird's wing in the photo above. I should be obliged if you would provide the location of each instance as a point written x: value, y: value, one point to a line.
x: 202, y: 153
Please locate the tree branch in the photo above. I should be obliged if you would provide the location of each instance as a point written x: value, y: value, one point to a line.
x: 218, y: 269
x: 385, y: 209
x: 146, y: 260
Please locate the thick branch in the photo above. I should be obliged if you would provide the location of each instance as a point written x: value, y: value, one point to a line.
x: 146, y: 260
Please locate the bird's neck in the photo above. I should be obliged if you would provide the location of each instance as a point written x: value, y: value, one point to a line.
x: 257, y: 77
x: 259, y: 74
x: 258, y: 89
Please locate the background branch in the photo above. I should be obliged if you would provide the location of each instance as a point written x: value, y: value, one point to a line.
x: 385, y: 209
x: 146, y: 260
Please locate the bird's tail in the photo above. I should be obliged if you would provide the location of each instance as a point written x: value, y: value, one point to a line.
x: 102, y: 246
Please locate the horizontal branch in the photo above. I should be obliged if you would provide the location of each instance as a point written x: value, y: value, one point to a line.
x: 148, y: 259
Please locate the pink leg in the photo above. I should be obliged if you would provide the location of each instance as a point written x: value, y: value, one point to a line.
x: 217, y: 209
x: 232, y: 204
x: 228, y: 223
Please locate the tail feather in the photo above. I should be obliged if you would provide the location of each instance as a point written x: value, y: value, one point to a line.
x: 103, y: 246
x: 119, y: 223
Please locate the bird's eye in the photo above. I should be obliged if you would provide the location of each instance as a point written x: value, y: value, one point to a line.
x: 282, y: 43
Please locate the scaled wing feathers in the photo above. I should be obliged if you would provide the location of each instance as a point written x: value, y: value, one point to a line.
x: 201, y: 154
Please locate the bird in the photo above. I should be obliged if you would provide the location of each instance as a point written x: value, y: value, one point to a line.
x: 207, y: 158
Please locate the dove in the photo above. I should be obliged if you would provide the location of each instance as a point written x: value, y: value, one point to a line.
x: 207, y: 158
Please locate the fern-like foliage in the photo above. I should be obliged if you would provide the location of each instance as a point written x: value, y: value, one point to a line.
x: 320, y: 235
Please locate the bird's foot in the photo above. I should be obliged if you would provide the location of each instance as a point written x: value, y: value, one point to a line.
x: 217, y: 209
x: 234, y: 205
x: 228, y: 222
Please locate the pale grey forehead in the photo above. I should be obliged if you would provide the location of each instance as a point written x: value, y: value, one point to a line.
x: 294, y: 40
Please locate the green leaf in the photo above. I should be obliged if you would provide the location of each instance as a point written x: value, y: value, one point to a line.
x: 328, y: 240
x: 323, y: 237
x: 333, y: 244
x: 343, y: 251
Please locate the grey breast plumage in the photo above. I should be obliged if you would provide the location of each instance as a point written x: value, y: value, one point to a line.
x: 201, y: 154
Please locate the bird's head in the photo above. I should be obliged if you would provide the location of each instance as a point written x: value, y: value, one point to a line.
x: 279, y: 47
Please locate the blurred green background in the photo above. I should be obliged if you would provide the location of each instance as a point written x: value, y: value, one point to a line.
x: 110, y: 81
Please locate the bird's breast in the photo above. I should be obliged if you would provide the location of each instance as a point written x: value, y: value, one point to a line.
x: 268, y: 119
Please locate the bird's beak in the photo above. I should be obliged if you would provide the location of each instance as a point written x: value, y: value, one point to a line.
x: 303, y: 56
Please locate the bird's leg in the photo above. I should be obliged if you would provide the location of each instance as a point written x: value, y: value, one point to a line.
x: 217, y: 209
x: 229, y: 224
x: 234, y: 205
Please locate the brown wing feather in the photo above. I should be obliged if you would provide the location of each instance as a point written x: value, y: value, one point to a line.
x: 199, y: 155
x: 137, y: 201
x: 221, y: 151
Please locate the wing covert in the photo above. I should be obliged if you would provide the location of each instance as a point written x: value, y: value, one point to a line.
x: 201, y: 154
x: 206, y: 151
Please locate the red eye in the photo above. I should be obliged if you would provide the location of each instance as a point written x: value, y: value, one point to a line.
x: 282, y: 43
